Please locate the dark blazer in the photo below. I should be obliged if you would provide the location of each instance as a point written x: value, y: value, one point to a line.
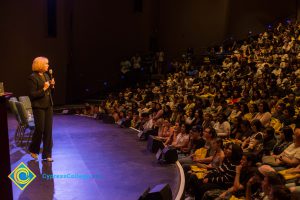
x: 39, y: 98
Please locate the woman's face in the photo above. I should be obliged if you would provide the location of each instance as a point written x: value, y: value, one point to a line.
x: 220, y: 118
x: 291, y: 97
x: 255, y: 94
x: 153, y: 105
x: 206, y: 133
x: 242, y: 107
x: 228, y: 151
x: 253, y: 127
x: 189, y: 113
x: 235, y: 94
x: 166, y: 123
x: 215, y: 145
x: 278, y: 108
x: 244, y: 161
x: 251, y: 109
x: 279, y: 136
x: 265, y: 135
x: 177, y: 127
x: 243, y: 128
x: 182, y: 128
x: 286, y: 113
x: 206, y: 117
x: 157, y: 106
x: 261, y: 108
x: 235, y: 121
x: 45, y: 65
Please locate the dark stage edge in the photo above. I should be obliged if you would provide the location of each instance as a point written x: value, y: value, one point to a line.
x: 123, y: 166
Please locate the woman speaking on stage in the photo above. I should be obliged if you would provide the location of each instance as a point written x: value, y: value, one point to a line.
x: 40, y: 92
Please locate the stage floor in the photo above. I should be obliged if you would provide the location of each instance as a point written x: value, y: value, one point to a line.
x: 105, y: 162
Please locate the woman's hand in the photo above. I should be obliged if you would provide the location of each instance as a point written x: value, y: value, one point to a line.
x: 252, y: 180
x: 223, y: 195
x: 197, y: 159
x: 52, y: 81
x: 46, y: 85
x: 201, y: 165
x: 291, y: 171
x: 275, y: 156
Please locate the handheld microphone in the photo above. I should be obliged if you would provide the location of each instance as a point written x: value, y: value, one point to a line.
x: 51, y: 73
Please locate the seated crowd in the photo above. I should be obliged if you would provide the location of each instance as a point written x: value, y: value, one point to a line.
x: 236, y: 125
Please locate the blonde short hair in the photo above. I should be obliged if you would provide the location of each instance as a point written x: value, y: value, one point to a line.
x: 38, y: 63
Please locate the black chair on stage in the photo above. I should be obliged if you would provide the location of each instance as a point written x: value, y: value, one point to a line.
x: 26, y: 124
x: 27, y: 104
x: 13, y: 107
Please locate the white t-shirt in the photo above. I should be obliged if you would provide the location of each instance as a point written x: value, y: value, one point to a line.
x: 292, y: 152
x: 222, y: 129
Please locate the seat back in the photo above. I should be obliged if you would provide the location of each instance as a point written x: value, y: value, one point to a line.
x: 13, y: 107
x: 26, y: 102
x: 22, y: 113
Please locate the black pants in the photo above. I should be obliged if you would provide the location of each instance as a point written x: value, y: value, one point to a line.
x: 43, y: 119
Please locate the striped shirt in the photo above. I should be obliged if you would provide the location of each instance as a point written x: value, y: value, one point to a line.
x: 223, y: 175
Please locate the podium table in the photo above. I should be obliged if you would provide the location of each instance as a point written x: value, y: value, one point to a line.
x: 5, y: 182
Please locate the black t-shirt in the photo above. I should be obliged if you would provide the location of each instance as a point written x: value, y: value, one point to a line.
x: 199, y: 143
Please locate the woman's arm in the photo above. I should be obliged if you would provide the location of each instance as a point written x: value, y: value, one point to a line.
x: 266, y: 118
x: 224, y: 194
x: 294, y: 170
x: 188, y: 147
x: 170, y: 139
x: 159, y: 114
x: 248, y: 192
x: 189, y: 121
x: 245, y: 142
x: 251, y: 181
x: 291, y: 162
x: 205, y: 160
x: 253, y: 144
x: 236, y: 184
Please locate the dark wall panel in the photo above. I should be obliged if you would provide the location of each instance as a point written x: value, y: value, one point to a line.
x: 104, y: 33
x: 255, y: 15
x: 51, y: 18
x: 198, y: 24
x: 23, y: 36
x: 86, y: 38
x: 191, y: 23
